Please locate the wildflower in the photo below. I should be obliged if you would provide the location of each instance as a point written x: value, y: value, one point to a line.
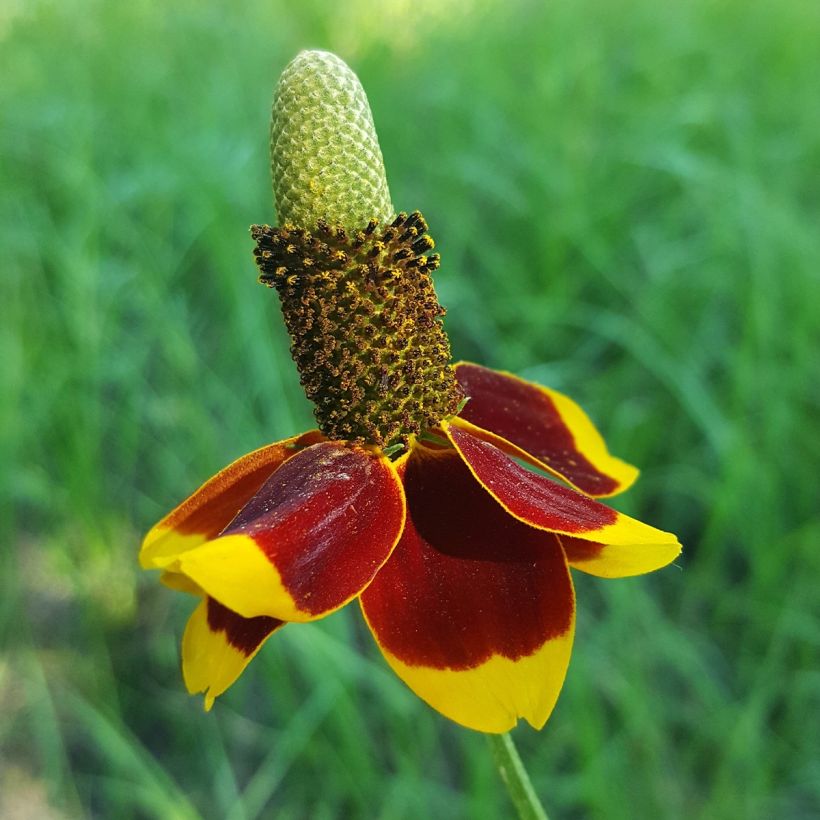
x: 413, y: 496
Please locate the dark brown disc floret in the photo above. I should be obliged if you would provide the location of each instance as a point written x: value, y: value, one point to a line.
x: 365, y: 325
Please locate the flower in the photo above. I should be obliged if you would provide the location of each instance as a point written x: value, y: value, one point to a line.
x: 450, y: 500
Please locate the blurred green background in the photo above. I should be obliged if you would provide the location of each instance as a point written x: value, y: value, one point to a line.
x: 626, y: 198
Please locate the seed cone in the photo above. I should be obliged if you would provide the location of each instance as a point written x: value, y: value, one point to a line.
x: 353, y: 278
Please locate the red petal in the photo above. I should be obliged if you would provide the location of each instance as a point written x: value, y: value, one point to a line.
x: 217, y: 646
x: 243, y: 634
x: 309, y: 540
x: 543, y: 503
x: 205, y: 513
x: 547, y: 425
x: 474, y: 610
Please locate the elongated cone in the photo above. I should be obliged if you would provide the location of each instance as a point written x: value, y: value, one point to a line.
x: 325, y: 157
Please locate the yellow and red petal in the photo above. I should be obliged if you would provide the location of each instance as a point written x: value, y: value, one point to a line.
x: 474, y: 611
x: 541, y: 502
x: 311, y: 538
x: 547, y: 425
x: 617, y: 560
x: 217, y: 646
x: 203, y: 515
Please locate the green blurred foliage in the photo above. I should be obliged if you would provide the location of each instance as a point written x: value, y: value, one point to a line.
x: 625, y: 195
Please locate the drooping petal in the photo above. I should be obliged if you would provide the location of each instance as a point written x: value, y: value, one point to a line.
x: 474, y: 611
x: 544, y: 424
x: 543, y: 503
x: 311, y: 538
x: 217, y: 646
x: 616, y: 560
x: 203, y: 515
x: 180, y: 583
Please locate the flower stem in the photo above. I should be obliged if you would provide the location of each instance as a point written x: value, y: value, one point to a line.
x: 515, y: 778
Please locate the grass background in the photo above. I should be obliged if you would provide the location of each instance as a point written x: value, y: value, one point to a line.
x: 626, y: 201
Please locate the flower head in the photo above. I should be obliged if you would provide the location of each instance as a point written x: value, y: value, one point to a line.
x: 407, y: 498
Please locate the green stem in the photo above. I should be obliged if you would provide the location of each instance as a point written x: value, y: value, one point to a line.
x: 515, y: 778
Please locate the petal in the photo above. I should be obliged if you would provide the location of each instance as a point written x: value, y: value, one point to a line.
x: 474, y: 611
x: 541, y: 502
x: 217, y: 646
x: 180, y: 583
x: 616, y: 560
x: 546, y: 425
x: 311, y: 539
x: 211, y: 508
